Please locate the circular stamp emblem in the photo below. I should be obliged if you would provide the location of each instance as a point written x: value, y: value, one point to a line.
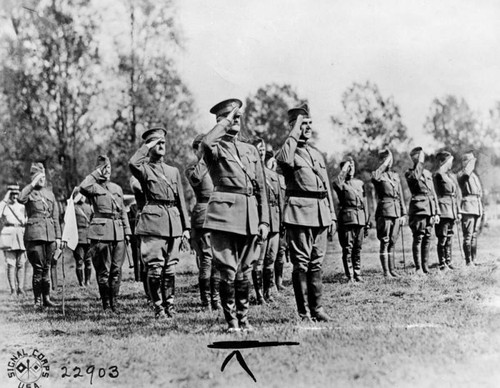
x: 28, y: 367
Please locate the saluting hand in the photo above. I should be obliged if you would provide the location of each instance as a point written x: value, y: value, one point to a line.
x: 235, y: 110
x: 37, y: 178
x: 152, y: 142
x: 6, y: 199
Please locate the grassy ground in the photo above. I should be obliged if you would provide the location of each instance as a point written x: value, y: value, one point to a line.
x: 442, y: 330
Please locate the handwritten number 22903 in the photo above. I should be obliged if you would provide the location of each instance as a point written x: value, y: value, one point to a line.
x: 91, y: 369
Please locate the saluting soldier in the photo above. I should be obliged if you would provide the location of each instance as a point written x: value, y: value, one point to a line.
x: 201, y: 182
x: 83, y: 213
x: 391, y: 210
x: 471, y: 206
x: 42, y: 235
x: 237, y: 213
x: 352, y: 218
x: 424, y: 210
x: 13, y: 217
x: 263, y: 269
x: 163, y: 220
x: 309, y: 215
x: 447, y: 192
x: 108, y: 231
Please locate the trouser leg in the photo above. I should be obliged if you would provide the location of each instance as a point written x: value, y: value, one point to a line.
x: 10, y: 266
x: 356, y: 253
x: 273, y: 241
x: 346, y: 241
x: 49, y: 249
x: 214, y: 287
x: 242, y: 292
x: 200, y: 240
x: 36, y: 257
x: 101, y: 259
x: 280, y: 263
x: 468, y: 222
x: 20, y: 271
x: 78, y: 255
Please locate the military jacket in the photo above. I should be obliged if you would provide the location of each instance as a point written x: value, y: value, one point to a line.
x: 276, y: 200
x: 305, y: 175
x: 43, y: 214
x: 239, y: 201
x: 13, y: 217
x: 352, y: 200
x: 447, y: 192
x: 165, y: 212
x: 389, y: 193
x: 423, y: 196
x: 201, y: 182
x: 83, y: 213
x: 472, y: 193
x: 109, y: 221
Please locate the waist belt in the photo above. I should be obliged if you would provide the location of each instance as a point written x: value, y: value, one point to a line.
x: 18, y: 225
x: 449, y: 195
x: 107, y: 215
x: 162, y: 202
x: 472, y: 195
x: 248, y: 191
x: 420, y: 196
x: 387, y: 197
x: 40, y: 218
x: 202, y: 198
x: 307, y: 194
x: 352, y: 207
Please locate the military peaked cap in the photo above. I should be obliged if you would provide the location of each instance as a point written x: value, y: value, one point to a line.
x: 225, y: 107
x: 154, y: 132
x: 295, y: 112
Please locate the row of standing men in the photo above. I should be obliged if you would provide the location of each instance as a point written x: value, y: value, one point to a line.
x: 242, y: 207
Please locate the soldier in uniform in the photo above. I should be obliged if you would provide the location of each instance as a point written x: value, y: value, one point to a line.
x: 352, y: 218
x: 309, y: 215
x: 237, y: 213
x: 471, y: 206
x: 391, y: 210
x: 209, y: 277
x: 424, y: 209
x: 13, y: 218
x: 446, y: 190
x: 43, y: 233
x: 108, y: 231
x: 163, y: 219
x: 83, y: 214
x: 263, y: 269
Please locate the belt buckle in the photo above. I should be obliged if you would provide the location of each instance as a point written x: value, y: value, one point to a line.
x: 249, y: 191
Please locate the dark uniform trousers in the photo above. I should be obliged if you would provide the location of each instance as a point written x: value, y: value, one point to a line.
x: 351, y: 239
x: 421, y: 228
x: 40, y: 254
x: 108, y: 258
x: 234, y: 255
x: 444, y: 234
x: 387, y: 232
x: 83, y: 262
x: 470, y: 228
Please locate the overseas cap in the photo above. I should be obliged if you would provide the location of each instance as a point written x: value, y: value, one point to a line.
x: 442, y: 157
x: 224, y: 107
x: 36, y: 168
x: 154, y: 133
x: 299, y: 110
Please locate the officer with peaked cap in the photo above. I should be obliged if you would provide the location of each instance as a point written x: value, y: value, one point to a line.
x: 447, y: 193
x: 237, y: 213
x: 108, y: 231
x: 163, y: 220
x: 424, y: 210
x: 352, y: 217
x: 43, y: 233
x: 13, y: 217
x: 391, y: 210
x: 201, y: 182
x: 309, y: 215
x: 471, y: 206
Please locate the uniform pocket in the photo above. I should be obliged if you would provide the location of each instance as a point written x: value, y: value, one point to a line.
x: 97, y: 228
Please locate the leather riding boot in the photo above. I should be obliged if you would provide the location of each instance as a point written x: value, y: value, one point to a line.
x: 204, y: 285
x: 448, y: 254
x: 356, y: 266
x: 242, y: 293
x: 257, y: 283
x: 392, y: 264
x: 21, y: 278
x: 473, y: 250
x: 426, y: 245
x: 104, y: 293
x: 314, y: 292
x: 383, y: 259
x: 345, y: 262
x: 46, y: 295
x: 299, y: 280
x: 214, y: 292
x: 11, y: 277
x: 268, y: 284
x: 441, y: 252
x: 227, y: 296
x: 88, y: 274
x: 37, y: 293
x: 168, y: 293
x: 467, y: 253
x: 278, y: 276
x: 415, y: 248
x: 79, y: 276
x: 154, y: 288
x: 53, y: 276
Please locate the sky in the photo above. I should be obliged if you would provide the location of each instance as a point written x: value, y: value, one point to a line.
x: 414, y: 51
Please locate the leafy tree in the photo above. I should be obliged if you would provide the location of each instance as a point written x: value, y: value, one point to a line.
x: 370, y: 122
x: 154, y: 91
x: 265, y: 113
x: 49, y: 79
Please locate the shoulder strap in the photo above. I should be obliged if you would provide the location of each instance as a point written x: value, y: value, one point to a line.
x: 14, y: 214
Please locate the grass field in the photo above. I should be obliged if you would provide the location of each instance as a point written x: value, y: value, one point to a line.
x: 441, y: 330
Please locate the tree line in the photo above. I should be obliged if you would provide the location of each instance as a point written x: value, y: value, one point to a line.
x: 69, y: 93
